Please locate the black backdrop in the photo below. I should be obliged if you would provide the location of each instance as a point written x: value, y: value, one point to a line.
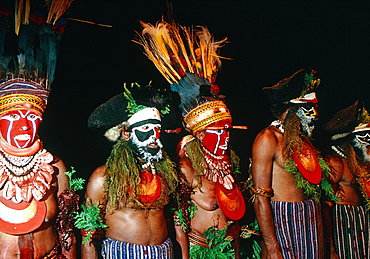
x: 268, y: 40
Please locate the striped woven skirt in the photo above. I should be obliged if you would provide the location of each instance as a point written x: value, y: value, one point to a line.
x: 351, y: 227
x: 297, y: 226
x: 114, y: 249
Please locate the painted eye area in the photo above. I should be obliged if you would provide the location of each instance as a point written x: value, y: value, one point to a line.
x: 33, y: 117
x: 12, y: 117
x: 309, y: 110
x: 149, y: 127
x: 363, y: 138
x: 217, y: 132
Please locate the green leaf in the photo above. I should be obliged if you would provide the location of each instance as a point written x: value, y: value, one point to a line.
x: 89, y: 218
x: 75, y: 184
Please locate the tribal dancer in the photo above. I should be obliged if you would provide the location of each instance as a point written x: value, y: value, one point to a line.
x: 131, y: 190
x: 350, y: 163
x: 288, y: 173
x: 211, y: 202
x: 35, y: 202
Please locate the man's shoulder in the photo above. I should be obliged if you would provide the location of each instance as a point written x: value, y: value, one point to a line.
x: 98, y: 174
x: 335, y: 162
x: 269, y: 134
x: 182, y: 143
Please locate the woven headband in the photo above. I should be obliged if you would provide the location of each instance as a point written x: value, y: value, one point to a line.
x: 205, y: 114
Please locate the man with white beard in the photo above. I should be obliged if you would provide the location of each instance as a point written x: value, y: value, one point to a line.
x: 350, y: 163
x: 134, y: 185
x: 289, y: 175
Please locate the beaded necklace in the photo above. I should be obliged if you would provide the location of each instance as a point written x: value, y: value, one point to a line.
x: 278, y: 124
x: 25, y: 177
x: 218, y: 169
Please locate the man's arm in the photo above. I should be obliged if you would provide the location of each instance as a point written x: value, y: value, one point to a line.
x: 336, y: 174
x: 94, y: 192
x: 187, y: 176
x: 62, y: 186
x: 183, y: 240
x: 263, y: 155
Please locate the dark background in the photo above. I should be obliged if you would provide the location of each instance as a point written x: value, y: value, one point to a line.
x: 268, y: 40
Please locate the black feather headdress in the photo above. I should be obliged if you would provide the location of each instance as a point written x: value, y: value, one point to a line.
x: 30, y: 32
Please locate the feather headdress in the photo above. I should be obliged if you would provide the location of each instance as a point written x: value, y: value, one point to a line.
x: 30, y: 32
x: 188, y: 58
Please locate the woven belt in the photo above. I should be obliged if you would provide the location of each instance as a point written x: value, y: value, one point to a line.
x: 197, y: 239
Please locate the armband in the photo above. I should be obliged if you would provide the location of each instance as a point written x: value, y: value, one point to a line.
x: 265, y: 192
x: 176, y: 220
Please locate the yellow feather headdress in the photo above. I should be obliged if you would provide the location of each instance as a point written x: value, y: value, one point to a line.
x: 188, y: 59
x: 176, y: 50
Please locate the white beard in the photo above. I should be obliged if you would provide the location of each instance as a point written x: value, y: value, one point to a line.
x: 307, y: 122
x: 142, y: 148
x: 362, y: 149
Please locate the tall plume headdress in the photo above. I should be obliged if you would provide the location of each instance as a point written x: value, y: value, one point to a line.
x: 30, y: 32
x: 188, y: 59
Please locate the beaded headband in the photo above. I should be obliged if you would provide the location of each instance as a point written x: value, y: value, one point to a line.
x: 15, y: 92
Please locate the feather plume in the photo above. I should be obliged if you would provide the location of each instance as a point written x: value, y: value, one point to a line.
x: 57, y: 9
x: 177, y: 50
x: 186, y: 57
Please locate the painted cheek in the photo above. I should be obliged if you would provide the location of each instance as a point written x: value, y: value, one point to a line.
x: 313, y: 112
x: 142, y: 136
x: 157, y: 133
x: 210, y: 141
x: 4, y: 128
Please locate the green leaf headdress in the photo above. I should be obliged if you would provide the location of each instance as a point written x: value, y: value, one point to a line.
x: 136, y: 103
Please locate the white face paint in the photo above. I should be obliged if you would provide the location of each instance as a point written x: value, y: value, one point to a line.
x: 361, y: 142
x: 19, y: 127
x: 144, y: 139
x: 307, y: 113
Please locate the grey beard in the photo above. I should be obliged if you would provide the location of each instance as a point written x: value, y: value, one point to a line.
x: 361, y: 149
x: 144, y: 152
x: 308, y: 129
x: 306, y: 122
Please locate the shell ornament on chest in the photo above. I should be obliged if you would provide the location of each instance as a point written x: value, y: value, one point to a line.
x: 24, y: 181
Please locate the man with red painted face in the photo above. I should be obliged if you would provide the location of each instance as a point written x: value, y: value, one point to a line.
x: 349, y: 159
x: 35, y: 220
x: 211, y: 202
x: 32, y: 179
x: 132, y: 189
x: 288, y: 174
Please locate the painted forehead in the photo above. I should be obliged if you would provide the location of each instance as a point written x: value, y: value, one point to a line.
x: 223, y: 124
x: 362, y: 132
x: 23, y: 107
x: 145, y: 122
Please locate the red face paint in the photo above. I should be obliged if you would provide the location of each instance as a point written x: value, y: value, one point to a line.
x: 19, y: 127
x: 217, y: 137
